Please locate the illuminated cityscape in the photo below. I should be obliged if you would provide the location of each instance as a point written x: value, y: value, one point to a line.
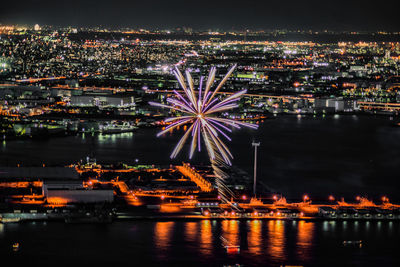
x: 221, y: 135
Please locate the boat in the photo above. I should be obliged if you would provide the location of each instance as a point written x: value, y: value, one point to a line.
x: 230, y: 249
x: 9, y: 220
x: 15, y: 246
x: 356, y: 243
x: 116, y: 128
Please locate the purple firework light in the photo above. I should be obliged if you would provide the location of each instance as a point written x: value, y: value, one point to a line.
x: 200, y: 109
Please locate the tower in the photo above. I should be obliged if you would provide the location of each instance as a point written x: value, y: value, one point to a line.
x: 255, y: 166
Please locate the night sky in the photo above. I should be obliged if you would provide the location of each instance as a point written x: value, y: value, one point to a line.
x: 206, y: 14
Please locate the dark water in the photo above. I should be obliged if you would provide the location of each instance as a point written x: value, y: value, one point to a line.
x: 148, y: 243
x: 342, y: 155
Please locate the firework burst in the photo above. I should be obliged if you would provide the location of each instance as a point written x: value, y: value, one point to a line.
x: 200, y: 109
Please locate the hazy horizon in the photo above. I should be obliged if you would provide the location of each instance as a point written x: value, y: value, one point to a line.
x: 224, y: 15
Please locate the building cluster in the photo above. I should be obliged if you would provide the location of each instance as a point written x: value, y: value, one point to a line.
x: 50, y: 74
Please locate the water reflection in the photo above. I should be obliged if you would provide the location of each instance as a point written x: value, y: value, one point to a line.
x: 206, y: 236
x: 162, y: 234
x: 230, y: 231
x: 367, y: 225
x: 196, y: 243
x: 356, y: 226
x: 390, y: 228
x: 325, y: 226
x: 191, y: 231
x: 379, y: 225
x: 254, y: 237
x: 344, y: 223
x: 104, y: 139
x: 276, y: 239
x: 304, y: 240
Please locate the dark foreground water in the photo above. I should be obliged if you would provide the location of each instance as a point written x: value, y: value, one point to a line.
x: 341, y: 155
x: 345, y: 155
x: 179, y: 243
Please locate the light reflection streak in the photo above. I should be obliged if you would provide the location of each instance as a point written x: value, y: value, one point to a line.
x: 206, y: 237
x: 325, y: 226
x: 254, y: 237
x: 356, y: 226
x: 344, y: 225
x: 191, y: 231
x: 162, y: 234
x: 304, y: 240
x: 390, y: 228
x: 276, y: 239
x: 367, y: 225
x: 230, y: 231
x: 379, y: 225
x: 103, y: 139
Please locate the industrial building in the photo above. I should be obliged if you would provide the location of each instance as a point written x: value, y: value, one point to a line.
x: 102, y: 101
x: 65, y: 192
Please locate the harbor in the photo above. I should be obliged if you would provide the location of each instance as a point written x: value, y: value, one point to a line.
x: 96, y: 193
